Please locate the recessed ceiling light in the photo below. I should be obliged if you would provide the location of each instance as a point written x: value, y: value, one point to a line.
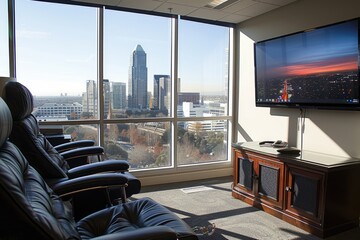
x: 215, y: 3
x: 220, y: 4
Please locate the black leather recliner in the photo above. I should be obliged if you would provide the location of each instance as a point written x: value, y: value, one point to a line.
x: 51, y: 164
x: 31, y: 210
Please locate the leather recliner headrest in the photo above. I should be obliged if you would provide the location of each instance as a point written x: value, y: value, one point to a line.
x: 5, y: 122
x: 19, y: 99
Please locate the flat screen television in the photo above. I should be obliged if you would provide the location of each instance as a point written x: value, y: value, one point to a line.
x: 317, y: 68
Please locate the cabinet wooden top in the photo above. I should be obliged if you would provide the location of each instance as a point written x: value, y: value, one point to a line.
x: 309, y: 158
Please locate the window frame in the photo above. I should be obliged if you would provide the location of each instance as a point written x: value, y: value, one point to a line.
x: 173, y: 119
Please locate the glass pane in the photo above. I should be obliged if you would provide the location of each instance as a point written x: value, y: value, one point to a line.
x: 203, y: 69
x: 137, y: 59
x: 144, y: 145
x: 4, y: 40
x: 83, y: 132
x: 70, y: 132
x: 56, y: 58
x: 202, y: 141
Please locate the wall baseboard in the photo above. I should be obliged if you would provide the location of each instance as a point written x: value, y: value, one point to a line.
x: 185, y: 176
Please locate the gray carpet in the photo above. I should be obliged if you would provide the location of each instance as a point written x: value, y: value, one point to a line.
x: 201, y: 203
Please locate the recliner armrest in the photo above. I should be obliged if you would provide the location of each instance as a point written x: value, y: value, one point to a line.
x: 156, y: 232
x: 76, y: 144
x: 95, y: 181
x: 98, y: 167
x: 82, y: 152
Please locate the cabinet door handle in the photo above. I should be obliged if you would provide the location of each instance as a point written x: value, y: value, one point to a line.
x: 288, y: 189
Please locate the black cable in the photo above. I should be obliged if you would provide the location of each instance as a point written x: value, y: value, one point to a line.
x: 302, y: 129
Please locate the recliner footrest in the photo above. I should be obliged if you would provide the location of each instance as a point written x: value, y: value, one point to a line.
x: 131, y: 216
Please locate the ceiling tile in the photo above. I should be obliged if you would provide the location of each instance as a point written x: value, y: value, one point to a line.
x: 192, y: 3
x: 235, y: 12
x: 234, y: 18
x: 175, y: 9
x: 276, y: 2
x: 208, y: 14
x: 102, y: 2
x: 140, y: 4
x: 238, y: 6
x: 256, y: 9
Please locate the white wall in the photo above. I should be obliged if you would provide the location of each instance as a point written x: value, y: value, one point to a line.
x: 329, y: 131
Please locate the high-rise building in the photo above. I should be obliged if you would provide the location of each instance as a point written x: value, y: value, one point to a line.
x: 89, y: 100
x: 137, y: 87
x: 63, y: 111
x: 193, y: 97
x: 118, y: 99
x: 106, y: 90
x: 165, y: 93
x: 161, y: 92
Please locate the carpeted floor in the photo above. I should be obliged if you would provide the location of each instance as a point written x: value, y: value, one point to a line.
x: 201, y: 203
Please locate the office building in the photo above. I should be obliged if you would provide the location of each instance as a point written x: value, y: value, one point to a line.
x: 90, y: 99
x: 70, y: 111
x: 137, y: 86
x: 118, y: 94
x: 162, y: 92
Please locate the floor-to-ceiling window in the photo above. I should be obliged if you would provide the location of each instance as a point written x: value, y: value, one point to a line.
x: 164, y: 81
x: 57, y: 60
x: 203, y: 93
x: 137, y: 60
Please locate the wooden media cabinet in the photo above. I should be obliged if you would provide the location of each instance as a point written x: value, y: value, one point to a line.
x: 316, y: 192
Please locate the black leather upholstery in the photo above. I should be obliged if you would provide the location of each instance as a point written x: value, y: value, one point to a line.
x: 31, y: 210
x: 50, y: 163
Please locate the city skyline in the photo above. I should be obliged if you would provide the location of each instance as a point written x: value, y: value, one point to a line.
x: 65, y: 56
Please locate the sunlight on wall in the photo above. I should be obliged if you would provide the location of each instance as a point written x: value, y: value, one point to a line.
x: 255, y: 123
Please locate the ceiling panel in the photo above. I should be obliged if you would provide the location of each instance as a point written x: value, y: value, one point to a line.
x: 192, y: 3
x: 209, y: 14
x: 175, y: 9
x: 236, y: 12
x: 149, y: 5
x: 256, y: 9
x: 102, y: 2
x: 277, y: 2
x: 239, y: 5
x: 234, y: 18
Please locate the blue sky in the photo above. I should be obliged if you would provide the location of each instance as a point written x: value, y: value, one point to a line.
x: 4, y: 53
x: 66, y: 54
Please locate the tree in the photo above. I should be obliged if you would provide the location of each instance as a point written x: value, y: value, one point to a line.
x: 115, y: 151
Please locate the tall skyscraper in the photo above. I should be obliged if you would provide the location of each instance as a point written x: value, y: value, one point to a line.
x: 161, y: 88
x: 137, y: 87
x: 118, y: 95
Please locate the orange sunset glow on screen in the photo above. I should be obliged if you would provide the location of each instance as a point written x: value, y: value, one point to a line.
x: 308, y: 69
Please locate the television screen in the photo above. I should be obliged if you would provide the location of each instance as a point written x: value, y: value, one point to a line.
x: 316, y: 68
